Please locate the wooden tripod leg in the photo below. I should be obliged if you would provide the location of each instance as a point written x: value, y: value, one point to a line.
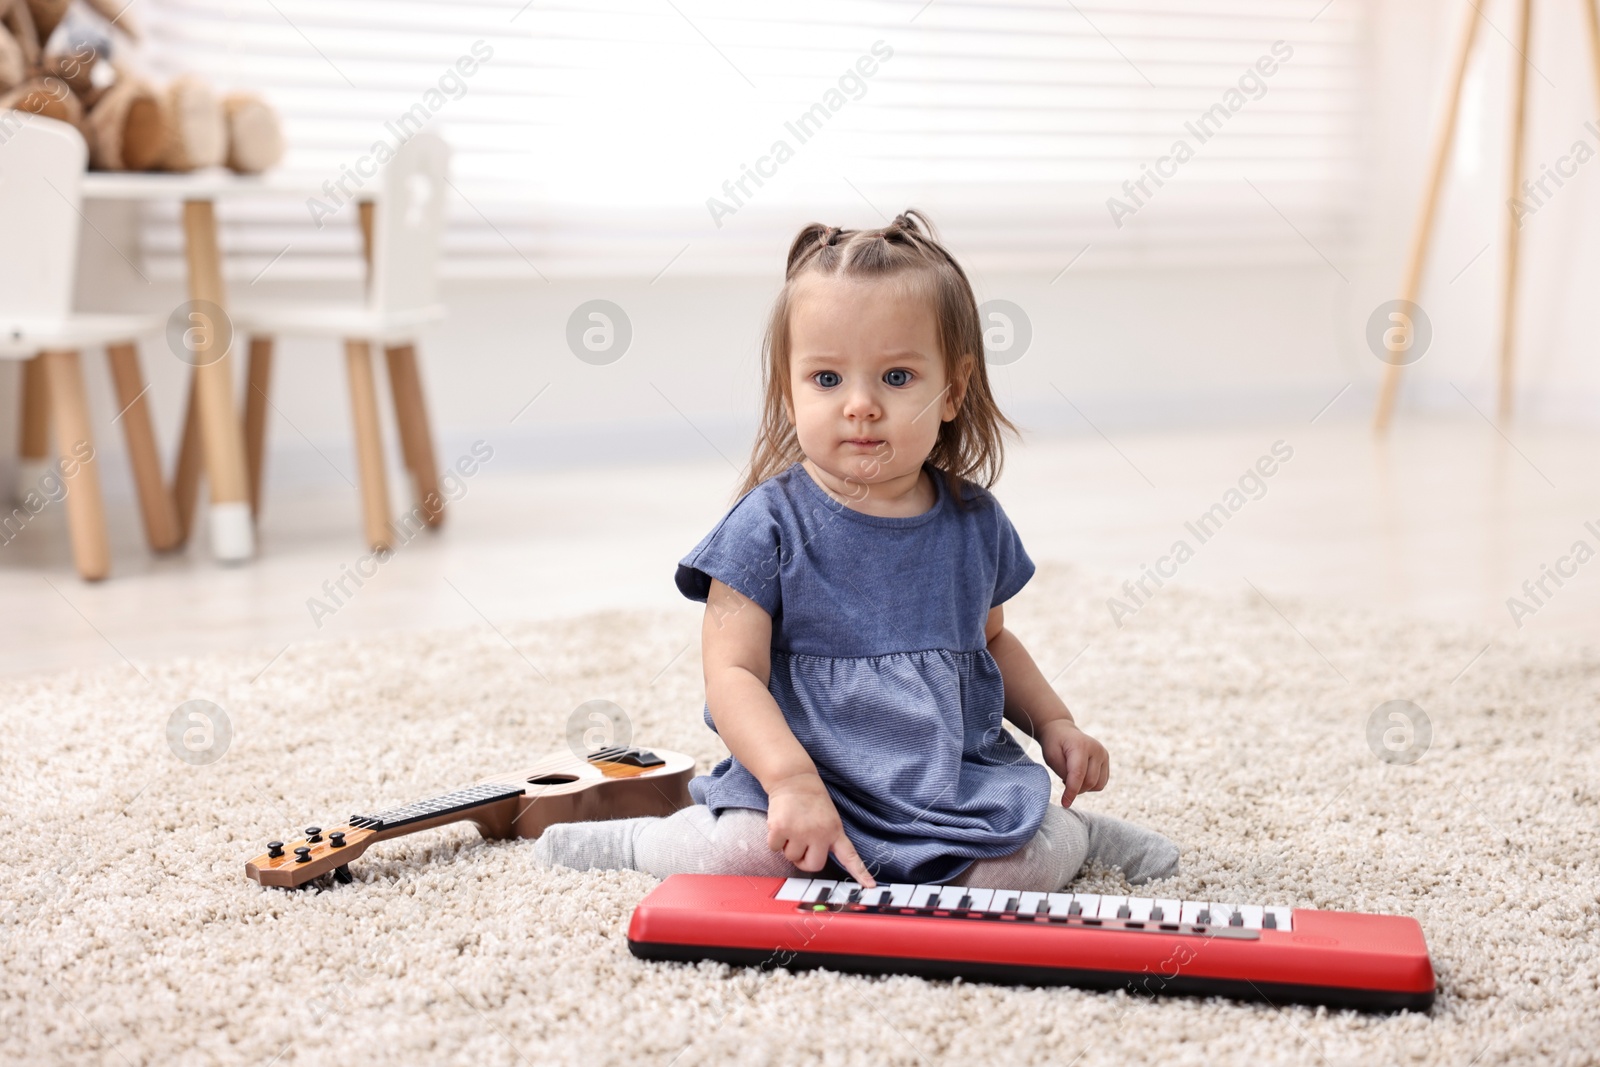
x: 155, y: 501
x: 416, y: 439
x: 258, y: 381
x: 1418, y: 257
x: 1593, y: 19
x: 369, y: 443
x: 86, y: 512
x: 186, y: 478
x: 1508, y: 301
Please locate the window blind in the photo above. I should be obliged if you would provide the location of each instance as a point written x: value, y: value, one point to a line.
x: 637, y: 137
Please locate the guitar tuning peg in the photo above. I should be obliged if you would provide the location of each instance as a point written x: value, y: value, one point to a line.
x: 313, y: 833
x: 302, y: 855
x: 274, y: 849
x: 336, y: 839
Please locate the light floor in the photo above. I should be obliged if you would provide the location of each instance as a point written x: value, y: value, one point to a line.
x: 1446, y: 520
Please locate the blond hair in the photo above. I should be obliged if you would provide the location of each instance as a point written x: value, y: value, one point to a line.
x: 969, y: 448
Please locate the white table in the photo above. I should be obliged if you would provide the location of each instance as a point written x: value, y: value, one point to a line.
x: 212, y: 433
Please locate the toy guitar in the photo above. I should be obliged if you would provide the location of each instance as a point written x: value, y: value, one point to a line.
x: 613, y: 783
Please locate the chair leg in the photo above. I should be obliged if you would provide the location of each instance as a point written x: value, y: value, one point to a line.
x: 369, y: 443
x: 86, y: 514
x: 416, y: 439
x: 33, y: 448
x: 186, y: 478
x: 155, y: 501
x: 258, y: 381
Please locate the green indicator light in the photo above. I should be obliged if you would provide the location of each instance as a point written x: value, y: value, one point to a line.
x: 819, y: 907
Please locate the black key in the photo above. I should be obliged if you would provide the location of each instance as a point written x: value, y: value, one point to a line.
x: 1157, y: 914
x: 1204, y: 917
x: 884, y: 898
x: 965, y: 903
x: 1011, y: 905
x: 1269, y: 921
x: 1124, y: 912
x: 1075, y: 908
x: 822, y: 897
x: 1236, y: 920
x: 855, y: 896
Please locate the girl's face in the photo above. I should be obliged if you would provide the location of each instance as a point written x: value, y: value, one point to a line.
x: 866, y: 380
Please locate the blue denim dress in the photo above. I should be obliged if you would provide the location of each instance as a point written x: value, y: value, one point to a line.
x: 880, y: 667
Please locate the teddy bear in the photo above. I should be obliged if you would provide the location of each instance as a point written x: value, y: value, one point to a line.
x: 81, y: 76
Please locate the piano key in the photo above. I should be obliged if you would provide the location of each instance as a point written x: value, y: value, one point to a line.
x: 815, y: 889
x: 1060, y: 905
x: 1032, y: 903
x: 950, y: 897
x: 1109, y: 906
x: 980, y: 898
x: 1089, y: 902
x: 900, y: 894
x: 841, y: 892
x: 792, y: 888
x: 1190, y: 912
x: 926, y: 895
x: 1139, y: 908
x: 1283, y: 917
x: 1220, y: 913
x: 1170, y: 910
x: 999, y: 903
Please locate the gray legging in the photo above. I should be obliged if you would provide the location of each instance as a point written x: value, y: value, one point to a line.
x: 693, y: 841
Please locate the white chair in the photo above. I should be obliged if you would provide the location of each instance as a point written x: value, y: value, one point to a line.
x: 402, y: 296
x: 41, y: 164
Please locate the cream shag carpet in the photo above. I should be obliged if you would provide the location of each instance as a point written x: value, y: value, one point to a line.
x: 131, y: 935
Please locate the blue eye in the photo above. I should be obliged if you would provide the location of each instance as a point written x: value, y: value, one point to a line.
x: 905, y: 379
x: 827, y: 374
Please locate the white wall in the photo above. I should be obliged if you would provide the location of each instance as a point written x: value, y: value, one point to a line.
x: 1131, y: 348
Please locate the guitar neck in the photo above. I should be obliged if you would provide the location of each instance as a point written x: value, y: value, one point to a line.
x: 476, y: 802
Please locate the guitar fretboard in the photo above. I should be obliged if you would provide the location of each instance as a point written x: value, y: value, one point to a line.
x: 449, y: 804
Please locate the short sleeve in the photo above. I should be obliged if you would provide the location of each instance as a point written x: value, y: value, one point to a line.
x: 743, y: 551
x: 1015, y: 566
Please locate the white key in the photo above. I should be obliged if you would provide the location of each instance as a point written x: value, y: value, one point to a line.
x: 900, y: 894
x: 1170, y: 910
x: 1030, y: 903
x: 815, y: 889
x: 1109, y: 906
x: 1283, y: 915
x: 842, y: 891
x: 1191, y: 911
x: 951, y: 896
x: 980, y: 898
x: 1221, y: 913
x: 1139, y: 907
x: 1060, y: 904
x: 1002, y: 897
x: 924, y: 894
x: 1089, y: 902
x: 1252, y: 916
x: 792, y: 888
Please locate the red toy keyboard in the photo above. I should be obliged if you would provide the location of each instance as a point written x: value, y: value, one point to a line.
x: 1143, y: 944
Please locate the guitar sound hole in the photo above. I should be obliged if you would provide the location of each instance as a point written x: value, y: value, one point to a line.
x: 553, y: 779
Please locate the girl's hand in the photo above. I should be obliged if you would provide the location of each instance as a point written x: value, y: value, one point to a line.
x: 1080, y: 760
x: 803, y: 824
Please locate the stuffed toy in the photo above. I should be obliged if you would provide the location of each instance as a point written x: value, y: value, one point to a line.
x: 82, y: 76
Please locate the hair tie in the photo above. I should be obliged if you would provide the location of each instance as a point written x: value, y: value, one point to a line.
x: 832, y: 234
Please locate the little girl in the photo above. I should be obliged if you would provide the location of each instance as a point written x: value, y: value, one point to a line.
x: 856, y: 661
